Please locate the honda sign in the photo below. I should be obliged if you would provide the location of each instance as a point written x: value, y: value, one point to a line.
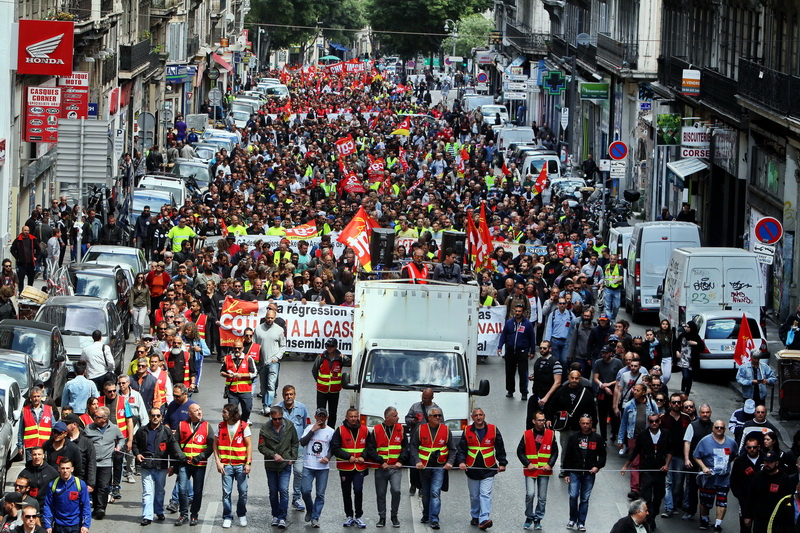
x: 45, y: 47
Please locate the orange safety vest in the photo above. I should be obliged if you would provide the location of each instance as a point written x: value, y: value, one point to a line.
x: 36, y: 434
x: 428, y: 444
x: 352, y: 447
x: 195, y: 443
x: 238, y: 385
x: 117, y: 413
x: 414, y: 276
x: 254, y: 352
x: 201, y: 325
x: 86, y: 419
x: 329, y: 376
x: 539, y: 457
x: 388, y: 447
x: 160, y: 392
x: 483, y: 448
x: 187, y: 380
x: 232, y: 452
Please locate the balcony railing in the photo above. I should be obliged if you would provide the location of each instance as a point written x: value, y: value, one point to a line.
x: 526, y: 41
x: 719, y: 91
x: 192, y: 46
x: 109, y: 69
x: 616, y: 53
x: 559, y: 46
x: 769, y: 88
x: 134, y: 56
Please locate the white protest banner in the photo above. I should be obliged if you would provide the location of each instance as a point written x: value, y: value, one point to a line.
x: 274, y: 242
x: 490, y: 325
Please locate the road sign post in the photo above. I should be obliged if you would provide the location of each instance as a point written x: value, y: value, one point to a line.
x: 768, y: 230
x: 618, y: 150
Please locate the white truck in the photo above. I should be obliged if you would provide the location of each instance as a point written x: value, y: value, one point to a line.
x: 409, y: 337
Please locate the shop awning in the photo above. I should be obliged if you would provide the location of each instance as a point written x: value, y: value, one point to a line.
x: 337, y: 46
x: 221, y: 62
x: 687, y: 167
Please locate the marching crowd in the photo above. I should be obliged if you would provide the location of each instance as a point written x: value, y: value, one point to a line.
x: 591, y: 385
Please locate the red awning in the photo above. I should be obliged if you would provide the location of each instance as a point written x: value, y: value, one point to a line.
x: 221, y: 62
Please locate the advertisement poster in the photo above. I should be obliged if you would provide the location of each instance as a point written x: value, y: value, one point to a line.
x: 668, y: 131
x: 75, y: 95
x: 42, y: 109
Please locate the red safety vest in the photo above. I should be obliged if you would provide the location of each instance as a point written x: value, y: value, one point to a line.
x: 329, y: 376
x: 417, y: 277
x: 388, y: 447
x: 160, y: 392
x: 238, y: 384
x: 195, y: 443
x: 254, y: 352
x: 232, y: 452
x: 117, y: 413
x: 429, y: 444
x: 352, y: 447
x: 538, y: 457
x: 187, y: 380
x: 36, y: 434
x: 484, y: 448
x: 86, y: 419
x: 201, y: 325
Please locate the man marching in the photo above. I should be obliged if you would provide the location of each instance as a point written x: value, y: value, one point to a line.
x: 538, y: 452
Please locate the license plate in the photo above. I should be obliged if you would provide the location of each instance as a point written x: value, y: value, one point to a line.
x: 651, y: 301
x: 729, y: 348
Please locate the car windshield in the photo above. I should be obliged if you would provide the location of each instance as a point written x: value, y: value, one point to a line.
x: 74, y: 320
x: 32, y: 342
x: 198, y: 172
x: 18, y: 371
x: 104, y: 258
x: 415, y: 369
x: 97, y: 286
x: 728, y: 328
x: 142, y: 197
x: 240, y: 114
x: 204, y: 152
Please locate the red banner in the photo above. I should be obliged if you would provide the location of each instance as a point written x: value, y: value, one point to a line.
x: 236, y: 316
x: 346, y: 145
x: 305, y: 231
x: 75, y: 95
x: 42, y: 109
x: 45, y: 47
x: 351, y: 184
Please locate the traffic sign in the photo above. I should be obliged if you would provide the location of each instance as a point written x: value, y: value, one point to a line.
x: 618, y: 169
x: 618, y: 150
x: 564, y: 117
x: 215, y: 96
x: 510, y: 95
x: 604, y: 165
x: 769, y: 230
x: 410, y: 64
x: 482, y: 77
x: 766, y: 249
x: 212, y: 73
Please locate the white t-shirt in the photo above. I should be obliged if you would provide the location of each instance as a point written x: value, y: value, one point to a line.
x: 318, y: 447
x: 233, y: 428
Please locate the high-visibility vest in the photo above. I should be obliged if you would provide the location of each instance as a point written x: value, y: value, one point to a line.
x: 238, y: 384
x: 171, y: 364
x: 117, y: 413
x: 329, y: 376
x: 254, y: 352
x: 160, y: 392
x: 86, y: 419
x: 388, y: 447
x: 417, y: 277
x: 232, y: 452
x: 354, y: 447
x: 36, y: 434
x: 328, y: 189
x: 484, y: 448
x: 193, y: 445
x: 202, y: 320
x: 610, y: 275
x: 540, y: 457
x: 429, y: 444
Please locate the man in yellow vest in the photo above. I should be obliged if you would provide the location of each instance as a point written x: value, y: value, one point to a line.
x: 348, y: 444
x: 612, y: 282
x: 432, y: 451
x: 481, y: 454
x: 387, y: 448
x: 538, y: 452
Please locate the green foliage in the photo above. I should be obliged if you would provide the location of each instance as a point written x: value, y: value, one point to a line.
x: 346, y: 14
x: 472, y: 33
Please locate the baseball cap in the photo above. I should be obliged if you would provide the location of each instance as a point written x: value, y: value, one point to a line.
x: 749, y: 407
x: 71, y: 418
x: 13, y: 497
x: 602, y: 316
x: 60, y: 427
x: 321, y: 213
x: 321, y: 412
x: 607, y: 348
x: 771, y: 457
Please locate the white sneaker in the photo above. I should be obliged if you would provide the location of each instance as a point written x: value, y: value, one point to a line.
x: 623, y: 450
x: 275, y: 521
x: 360, y: 523
x: 243, y: 521
x: 227, y: 523
x: 348, y: 521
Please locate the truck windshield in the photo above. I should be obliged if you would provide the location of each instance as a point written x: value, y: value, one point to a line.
x: 415, y: 368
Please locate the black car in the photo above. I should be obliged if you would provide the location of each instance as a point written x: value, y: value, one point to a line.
x: 44, y: 344
x: 107, y: 282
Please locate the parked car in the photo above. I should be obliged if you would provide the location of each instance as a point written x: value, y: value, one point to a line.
x: 103, y: 254
x: 193, y: 168
x: 12, y: 399
x: 78, y: 316
x: 490, y: 112
x: 44, y: 344
x: 19, y: 366
x: 110, y: 282
x: 168, y: 183
x: 151, y: 197
x: 8, y: 443
x: 205, y: 151
x: 719, y: 331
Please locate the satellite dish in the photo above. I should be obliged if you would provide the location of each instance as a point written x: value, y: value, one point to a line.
x: 583, y: 39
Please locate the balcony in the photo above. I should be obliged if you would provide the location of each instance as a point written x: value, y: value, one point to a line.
x: 719, y: 92
x: 769, y: 88
x: 164, y: 8
x: 109, y: 70
x: 192, y: 46
x: 526, y: 41
x: 559, y: 47
x: 133, y: 58
x: 88, y: 11
x: 616, y: 53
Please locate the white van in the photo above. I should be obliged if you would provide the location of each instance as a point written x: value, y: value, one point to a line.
x: 534, y: 161
x: 513, y: 134
x: 648, y: 256
x: 703, y: 280
x: 619, y: 241
x: 490, y: 113
x: 473, y: 101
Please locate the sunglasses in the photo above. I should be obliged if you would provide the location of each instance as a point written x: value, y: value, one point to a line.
x: 719, y: 427
x: 746, y: 448
x: 29, y: 516
x: 277, y: 418
x: 158, y: 415
x: 18, y: 486
x: 436, y: 416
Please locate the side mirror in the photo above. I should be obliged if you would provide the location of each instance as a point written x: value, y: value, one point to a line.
x: 60, y: 358
x: 346, y: 383
x: 482, y: 390
x: 624, y: 263
x: 660, y: 292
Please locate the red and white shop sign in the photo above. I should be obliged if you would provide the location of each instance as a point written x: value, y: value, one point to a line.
x: 74, y: 95
x: 42, y: 109
x: 45, y: 47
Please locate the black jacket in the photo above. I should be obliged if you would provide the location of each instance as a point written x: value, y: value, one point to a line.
x: 70, y: 451
x: 626, y: 525
x: 111, y: 234
x: 88, y: 458
x: 578, y: 460
x: 652, y: 456
x: 764, y: 492
x: 567, y: 400
x: 742, y: 473
x: 41, y: 477
x: 166, y: 447
x: 782, y: 519
x: 792, y: 320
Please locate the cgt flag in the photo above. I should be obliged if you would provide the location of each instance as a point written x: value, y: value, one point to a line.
x: 744, y: 343
x: 541, y: 181
x: 404, y: 128
x: 356, y: 235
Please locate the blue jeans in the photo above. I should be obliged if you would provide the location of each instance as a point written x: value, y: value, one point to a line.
x: 297, y: 472
x: 674, y: 485
x: 532, y: 486
x: 190, y: 478
x: 558, y: 347
x: 234, y: 472
x: 612, y: 298
x: 153, y: 481
x: 480, y: 498
x: 278, y: 483
x: 431, y: 480
x: 176, y: 496
x: 320, y: 477
x: 268, y: 377
x: 579, y: 484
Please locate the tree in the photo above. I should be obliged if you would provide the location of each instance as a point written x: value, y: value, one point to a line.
x: 348, y: 14
x: 473, y: 32
x: 423, y: 19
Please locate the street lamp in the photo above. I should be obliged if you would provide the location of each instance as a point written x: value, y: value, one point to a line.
x: 450, y: 26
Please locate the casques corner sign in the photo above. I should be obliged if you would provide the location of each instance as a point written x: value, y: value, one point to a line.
x: 45, y: 47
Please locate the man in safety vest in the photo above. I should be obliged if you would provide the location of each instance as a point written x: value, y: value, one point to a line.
x: 612, y: 293
x: 37, y: 423
x: 538, y: 452
x: 432, y: 451
x: 416, y: 270
x: 348, y: 444
x: 233, y: 453
x: 327, y: 372
x: 387, y: 450
x: 162, y: 394
x: 195, y: 437
x: 239, y: 372
x: 199, y: 318
x: 481, y: 454
x: 180, y: 363
x: 122, y: 417
x: 251, y: 349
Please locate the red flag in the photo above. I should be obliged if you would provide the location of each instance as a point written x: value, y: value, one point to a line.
x: 541, y: 181
x: 401, y: 154
x: 505, y: 170
x: 472, y: 236
x: 744, y: 343
x: 351, y: 184
x: 356, y: 235
x: 464, y: 154
x: 346, y: 145
x: 484, y: 250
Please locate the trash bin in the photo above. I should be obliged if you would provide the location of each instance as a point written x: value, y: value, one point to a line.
x: 788, y: 362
